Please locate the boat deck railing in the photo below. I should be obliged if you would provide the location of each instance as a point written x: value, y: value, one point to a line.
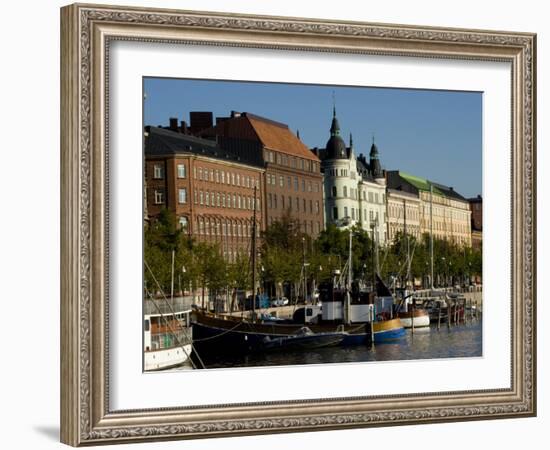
x: 163, y: 306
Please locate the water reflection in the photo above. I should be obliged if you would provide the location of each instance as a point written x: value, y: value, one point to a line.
x: 428, y: 343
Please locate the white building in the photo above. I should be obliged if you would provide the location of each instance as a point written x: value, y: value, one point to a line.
x: 354, y: 188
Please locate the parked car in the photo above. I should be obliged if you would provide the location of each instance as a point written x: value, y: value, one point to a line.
x: 281, y: 301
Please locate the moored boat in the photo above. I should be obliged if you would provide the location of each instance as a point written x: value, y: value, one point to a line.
x: 167, y: 341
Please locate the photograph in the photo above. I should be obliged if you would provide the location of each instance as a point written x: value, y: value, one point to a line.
x: 294, y: 224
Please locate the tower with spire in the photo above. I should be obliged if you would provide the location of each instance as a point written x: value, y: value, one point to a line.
x: 354, y: 187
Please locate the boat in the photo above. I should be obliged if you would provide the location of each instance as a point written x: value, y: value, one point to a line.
x: 227, y: 334
x: 304, y: 339
x: 416, y: 317
x: 167, y: 339
x: 167, y: 330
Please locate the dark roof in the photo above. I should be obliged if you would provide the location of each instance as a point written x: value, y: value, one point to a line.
x: 410, y: 183
x: 161, y: 142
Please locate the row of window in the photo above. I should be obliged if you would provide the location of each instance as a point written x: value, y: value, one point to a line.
x: 373, y: 197
x: 339, y: 173
x: 225, y: 177
x: 448, y: 226
x: 293, y: 162
x: 158, y: 171
x: 226, y: 200
x: 273, y: 180
x: 296, y: 205
x: 397, y: 211
x: 356, y: 214
x: 305, y: 226
x: 221, y: 227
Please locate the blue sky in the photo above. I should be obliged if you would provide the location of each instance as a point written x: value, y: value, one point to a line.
x: 432, y: 134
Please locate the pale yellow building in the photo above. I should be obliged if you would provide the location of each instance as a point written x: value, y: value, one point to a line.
x: 450, y: 212
x: 403, y: 211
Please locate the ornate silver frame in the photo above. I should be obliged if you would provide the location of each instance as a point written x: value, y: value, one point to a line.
x: 86, y: 31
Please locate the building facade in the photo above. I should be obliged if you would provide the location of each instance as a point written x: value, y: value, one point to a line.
x: 210, y: 191
x: 354, y: 188
x: 403, y: 214
x: 476, y: 206
x: 292, y: 178
x: 442, y: 209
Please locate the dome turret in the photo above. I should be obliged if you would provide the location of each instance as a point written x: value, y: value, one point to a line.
x: 336, y: 147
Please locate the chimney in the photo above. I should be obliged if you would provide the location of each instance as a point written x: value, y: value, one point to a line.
x: 184, y: 129
x: 174, y: 124
x: 200, y: 120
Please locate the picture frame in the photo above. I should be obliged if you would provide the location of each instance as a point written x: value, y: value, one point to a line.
x: 87, y: 31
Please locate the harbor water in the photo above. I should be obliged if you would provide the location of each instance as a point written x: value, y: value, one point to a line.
x: 461, y: 341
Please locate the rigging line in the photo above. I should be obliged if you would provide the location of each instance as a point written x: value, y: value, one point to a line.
x: 171, y: 330
x: 170, y: 306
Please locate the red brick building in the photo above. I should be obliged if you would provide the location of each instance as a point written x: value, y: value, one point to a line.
x: 210, y: 190
x: 292, y: 178
x: 476, y: 206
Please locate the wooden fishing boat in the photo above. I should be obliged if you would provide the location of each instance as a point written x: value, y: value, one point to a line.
x: 304, y: 339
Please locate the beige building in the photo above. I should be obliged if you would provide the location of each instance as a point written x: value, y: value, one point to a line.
x: 403, y: 210
x: 441, y: 208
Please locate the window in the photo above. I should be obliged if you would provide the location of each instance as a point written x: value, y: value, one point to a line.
x: 223, y: 200
x: 281, y: 181
x: 334, y: 191
x: 311, y: 210
x: 283, y: 201
x: 335, y: 213
x: 183, y: 222
x: 317, y: 207
x: 345, y: 191
x: 297, y: 204
x: 201, y: 198
x: 181, y: 171
x: 223, y: 176
x: 353, y: 213
x: 303, y: 185
x: 376, y: 197
x: 196, y: 196
x: 288, y: 182
x: 345, y: 211
x: 295, y: 183
x: 290, y: 202
x: 207, y: 199
x: 233, y: 179
x: 200, y: 173
x: 304, y: 205
x: 218, y: 199
x: 212, y: 175
x: 217, y: 176
x: 309, y: 186
x: 238, y: 180
x: 158, y: 172
x: 182, y: 195
x: 275, y: 201
x: 159, y: 197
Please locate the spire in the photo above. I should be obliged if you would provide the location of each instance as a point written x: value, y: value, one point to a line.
x: 373, y: 149
x: 374, y: 162
x: 350, y: 140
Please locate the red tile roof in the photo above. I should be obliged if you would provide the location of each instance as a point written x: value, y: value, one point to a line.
x: 272, y: 135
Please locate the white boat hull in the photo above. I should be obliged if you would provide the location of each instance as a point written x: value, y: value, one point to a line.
x: 419, y: 321
x: 167, y: 357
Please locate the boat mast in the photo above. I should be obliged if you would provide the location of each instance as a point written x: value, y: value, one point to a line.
x: 254, y: 257
x: 350, y: 278
x: 172, y: 283
x: 431, y: 240
x: 408, y: 276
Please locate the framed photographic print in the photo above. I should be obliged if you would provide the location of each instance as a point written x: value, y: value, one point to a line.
x: 277, y: 224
